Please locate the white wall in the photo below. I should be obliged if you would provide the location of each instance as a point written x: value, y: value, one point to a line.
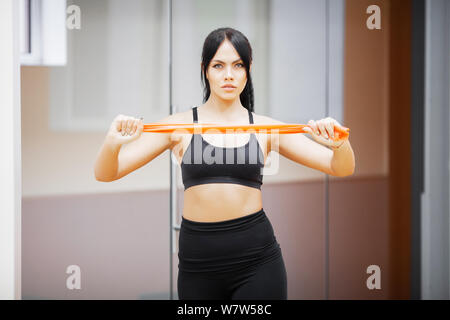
x: 306, y: 66
x: 10, y: 175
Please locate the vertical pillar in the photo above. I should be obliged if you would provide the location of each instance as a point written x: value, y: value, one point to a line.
x: 10, y: 160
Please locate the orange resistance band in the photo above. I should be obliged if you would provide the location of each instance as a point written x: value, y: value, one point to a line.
x: 340, y: 133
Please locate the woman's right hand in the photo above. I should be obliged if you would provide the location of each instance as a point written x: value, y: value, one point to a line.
x: 125, y: 129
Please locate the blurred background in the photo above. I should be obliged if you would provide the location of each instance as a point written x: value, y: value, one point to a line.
x: 379, y: 67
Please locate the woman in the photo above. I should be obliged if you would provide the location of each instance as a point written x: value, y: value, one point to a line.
x: 227, y: 247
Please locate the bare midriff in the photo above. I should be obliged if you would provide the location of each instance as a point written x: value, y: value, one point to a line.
x: 213, y: 202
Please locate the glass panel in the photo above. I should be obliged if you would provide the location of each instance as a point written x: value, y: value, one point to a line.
x: 113, y: 236
x: 361, y: 230
x: 292, y: 55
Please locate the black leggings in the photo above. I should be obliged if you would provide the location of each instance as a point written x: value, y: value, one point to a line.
x: 230, y: 260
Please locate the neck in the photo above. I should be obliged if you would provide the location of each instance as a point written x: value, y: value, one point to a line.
x: 225, y: 108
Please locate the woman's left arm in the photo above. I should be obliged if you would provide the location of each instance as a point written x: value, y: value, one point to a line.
x: 343, y: 161
x: 314, y: 154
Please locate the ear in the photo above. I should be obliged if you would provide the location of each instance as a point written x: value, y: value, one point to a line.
x: 250, y: 68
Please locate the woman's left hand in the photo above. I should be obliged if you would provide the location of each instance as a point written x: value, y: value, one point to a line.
x: 322, y: 132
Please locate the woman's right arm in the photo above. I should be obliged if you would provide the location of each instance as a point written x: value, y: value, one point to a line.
x: 107, y: 161
x: 113, y: 162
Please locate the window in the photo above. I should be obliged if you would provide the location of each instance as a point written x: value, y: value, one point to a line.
x: 42, y: 32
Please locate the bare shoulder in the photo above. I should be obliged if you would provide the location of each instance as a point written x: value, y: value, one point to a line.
x: 176, y: 136
x: 165, y: 138
x: 261, y: 119
x: 179, y: 117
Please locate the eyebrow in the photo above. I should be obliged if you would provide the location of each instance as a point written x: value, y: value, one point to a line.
x: 224, y: 62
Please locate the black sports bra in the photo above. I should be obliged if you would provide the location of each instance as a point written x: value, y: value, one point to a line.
x: 239, y: 165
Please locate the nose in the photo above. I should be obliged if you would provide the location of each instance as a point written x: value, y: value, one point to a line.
x: 229, y: 74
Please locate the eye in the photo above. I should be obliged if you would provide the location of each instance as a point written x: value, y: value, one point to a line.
x: 237, y: 64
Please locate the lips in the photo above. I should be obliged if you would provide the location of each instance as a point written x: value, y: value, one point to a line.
x: 228, y: 86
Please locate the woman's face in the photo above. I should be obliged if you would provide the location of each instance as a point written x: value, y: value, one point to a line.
x: 226, y: 68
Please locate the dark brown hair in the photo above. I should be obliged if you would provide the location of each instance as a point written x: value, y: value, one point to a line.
x: 242, y: 46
